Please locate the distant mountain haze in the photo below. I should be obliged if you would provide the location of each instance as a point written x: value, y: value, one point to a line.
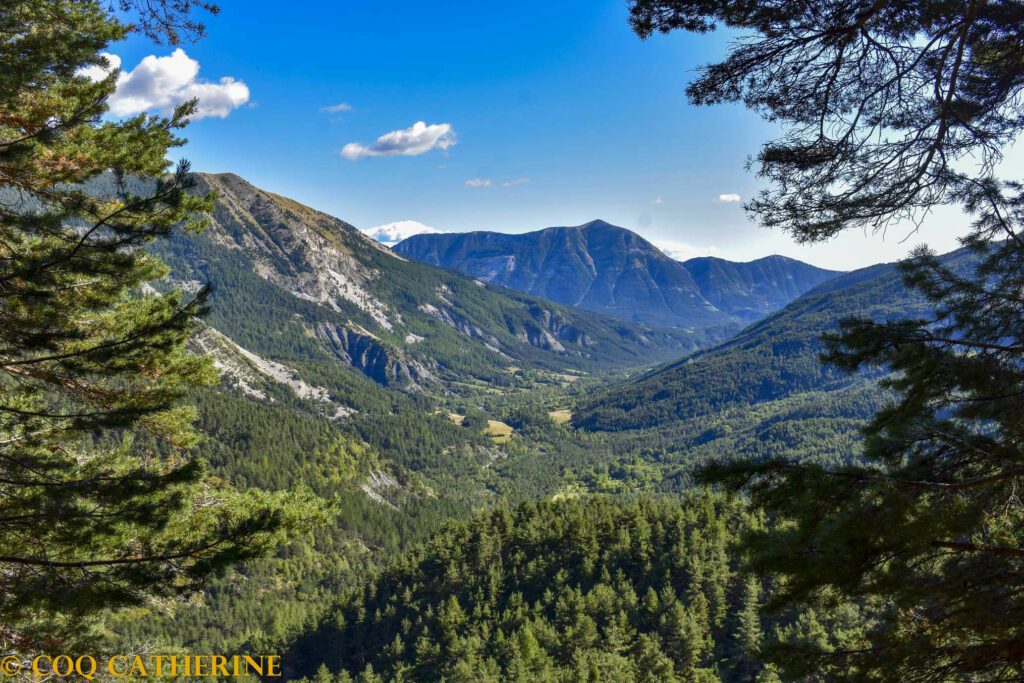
x: 611, y: 270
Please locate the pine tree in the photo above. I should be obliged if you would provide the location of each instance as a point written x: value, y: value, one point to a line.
x: 368, y: 676
x: 748, y: 632
x: 323, y: 675
x: 652, y: 665
x: 88, y: 357
x: 892, y: 109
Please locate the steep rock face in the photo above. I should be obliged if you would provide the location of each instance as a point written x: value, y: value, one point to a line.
x: 611, y: 270
x: 554, y: 327
x: 373, y: 358
x: 311, y: 254
x: 459, y: 322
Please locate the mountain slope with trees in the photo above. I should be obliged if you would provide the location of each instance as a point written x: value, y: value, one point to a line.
x: 321, y: 290
x: 772, y: 359
x: 592, y: 589
x: 571, y: 590
x: 750, y: 291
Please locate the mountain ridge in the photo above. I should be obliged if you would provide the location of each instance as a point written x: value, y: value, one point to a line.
x: 772, y: 359
x: 607, y: 269
x: 323, y: 290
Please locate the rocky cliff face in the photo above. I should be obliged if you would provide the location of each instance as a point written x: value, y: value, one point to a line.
x: 311, y: 254
x: 363, y: 351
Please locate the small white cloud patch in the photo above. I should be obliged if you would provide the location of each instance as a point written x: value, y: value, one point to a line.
x: 728, y: 198
x: 391, y: 234
x: 162, y: 83
x: 479, y: 182
x: 515, y: 183
x: 659, y: 200
x: 339, y: 108
x: 95, y: 72
x: 409, y: 142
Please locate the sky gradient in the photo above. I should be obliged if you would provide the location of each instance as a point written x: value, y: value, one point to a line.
x: 481, y: 116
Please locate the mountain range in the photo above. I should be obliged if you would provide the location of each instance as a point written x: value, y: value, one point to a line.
x: 611, y: 270
x: 294, y: 283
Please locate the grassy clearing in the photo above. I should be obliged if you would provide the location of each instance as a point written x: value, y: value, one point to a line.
x: 499, y: 431
x: 560, y: 417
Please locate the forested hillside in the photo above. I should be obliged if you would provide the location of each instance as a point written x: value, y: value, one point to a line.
x: 772, y: 359
x: 378, y: 506
x: 572, y: 590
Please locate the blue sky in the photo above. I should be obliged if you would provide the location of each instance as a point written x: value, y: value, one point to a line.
x: 555, y: 112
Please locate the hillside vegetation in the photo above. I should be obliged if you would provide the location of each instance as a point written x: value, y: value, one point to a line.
x: 574, y: 590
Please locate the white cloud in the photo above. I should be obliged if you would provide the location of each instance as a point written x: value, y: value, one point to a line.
x: 393, y: 233
x: 339, y: 108
x: 659, y: 200
x: 728, y: 198
x: 681, y: 251
x: 413, y: 141
x: 162, y: 83
x: 96, y: 72
x: 487, y: 182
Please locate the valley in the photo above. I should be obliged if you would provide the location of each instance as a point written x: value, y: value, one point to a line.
x: 328, y: 434
x: 406, y: 396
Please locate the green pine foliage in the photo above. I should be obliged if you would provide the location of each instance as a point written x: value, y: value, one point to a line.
x: 89, y: 519
x: 587, y: 589
x: 881, y: 105
x: 939, y: 465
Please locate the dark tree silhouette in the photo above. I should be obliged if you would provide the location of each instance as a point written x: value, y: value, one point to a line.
x: 891, y: 109
x: 881, y: 100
